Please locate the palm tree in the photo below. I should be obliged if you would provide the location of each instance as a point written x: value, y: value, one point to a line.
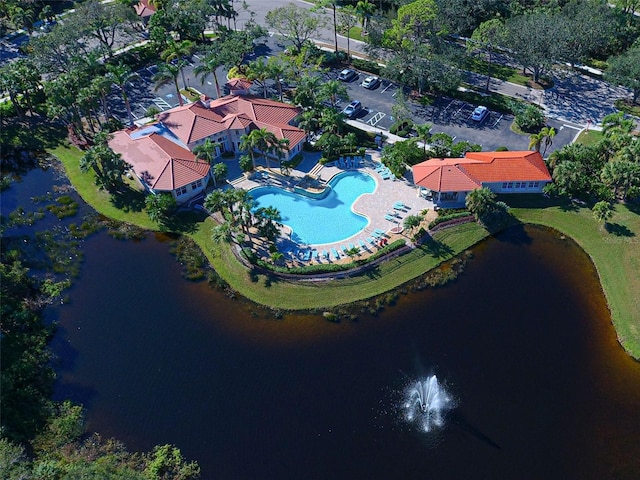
x: 308, y: 121
x: 119, y: 75
x: 207, y: 151
x: 549, y: 134
x: 348, y: 20
x: 424, y: 134
x: 220, y: 171
x: 258, y: 71
x: 177, y: 51
x: 535, y: 140
x: 365, y: 11
x: 602, y: 211
x: 331, y: 120
x: 265, y: 142
x: 480, y: 202
x: 102, y: 86
x: 210, y: 63
x: 168, y: 73
x: 334, y: 91
x: 276, y: 70
x: 307, y: 91
x: 411, y: 222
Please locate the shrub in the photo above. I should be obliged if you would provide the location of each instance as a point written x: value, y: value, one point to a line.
x: 366, y: 66
x: 502, y: 148
x: 7, y: 109
x: 446, y: 218
x: 401, y: 128
x: 529, y: 118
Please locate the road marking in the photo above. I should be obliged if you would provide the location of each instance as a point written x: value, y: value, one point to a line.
x: 386, y: 88
x: 571, y: 126
x: 373, y: 121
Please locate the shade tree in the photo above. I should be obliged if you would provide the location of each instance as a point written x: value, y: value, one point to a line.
x: 295, y: 23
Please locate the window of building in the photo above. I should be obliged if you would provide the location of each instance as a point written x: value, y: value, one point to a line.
x: 181, y: 191
x: 504, y: 185
x: 510, y: 185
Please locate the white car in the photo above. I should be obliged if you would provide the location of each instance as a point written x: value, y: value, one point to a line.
x: 371, y: 82
x: 480, y: 113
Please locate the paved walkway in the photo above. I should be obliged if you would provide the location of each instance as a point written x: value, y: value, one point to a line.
x: 375, y: 206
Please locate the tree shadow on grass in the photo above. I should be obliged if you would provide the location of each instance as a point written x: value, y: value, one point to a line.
x: 436, y: 249
x: 128, y: 199
x: 619, y: 230
x: 183, y: 222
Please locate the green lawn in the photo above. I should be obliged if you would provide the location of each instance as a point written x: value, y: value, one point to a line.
x: 614, y: 252
x: 503, y: 72
x: 589, y: 137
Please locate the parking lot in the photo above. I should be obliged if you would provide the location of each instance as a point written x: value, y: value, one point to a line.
x: 449, y: 116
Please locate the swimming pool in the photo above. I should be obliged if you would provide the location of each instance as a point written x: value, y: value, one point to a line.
x: 324, y: 220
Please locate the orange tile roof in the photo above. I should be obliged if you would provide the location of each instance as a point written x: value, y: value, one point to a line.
x: 477, y: 168
x: 507, y: 166
x: 163, y: 164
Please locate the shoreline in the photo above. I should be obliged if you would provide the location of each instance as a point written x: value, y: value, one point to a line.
x: 614, y: 264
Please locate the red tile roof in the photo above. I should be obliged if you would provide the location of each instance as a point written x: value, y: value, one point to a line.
x: 477, y: 168
x: 163, y: 164
x: 238, y: 84
x: 195, y: 121
x: 144, y: 9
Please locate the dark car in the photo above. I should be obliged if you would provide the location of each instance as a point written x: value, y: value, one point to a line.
x: 353, y: 109
x: 347, y: 75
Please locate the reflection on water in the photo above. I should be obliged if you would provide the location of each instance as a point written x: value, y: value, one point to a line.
x: 522, y: 339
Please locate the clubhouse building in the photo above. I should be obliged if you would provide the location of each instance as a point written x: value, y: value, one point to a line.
x: 161, y: 153
x: 447, y: 181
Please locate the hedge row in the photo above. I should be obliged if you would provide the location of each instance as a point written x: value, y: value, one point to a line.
x: 446, y: 218
x: 366, y: 66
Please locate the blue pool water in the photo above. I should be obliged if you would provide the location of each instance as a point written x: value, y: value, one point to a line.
x: 320, y: 220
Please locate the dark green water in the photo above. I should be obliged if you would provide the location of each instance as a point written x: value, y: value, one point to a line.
x: 523, y: 341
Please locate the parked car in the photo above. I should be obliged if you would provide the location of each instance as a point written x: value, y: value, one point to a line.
x: 353, y: 109
x: 480, y: 113
x: 371, y: 82
x: 347, y: 75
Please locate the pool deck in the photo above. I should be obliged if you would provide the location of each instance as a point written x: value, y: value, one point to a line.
x: 375, y: 206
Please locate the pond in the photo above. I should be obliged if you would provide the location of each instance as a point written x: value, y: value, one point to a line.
x: 522, y: 341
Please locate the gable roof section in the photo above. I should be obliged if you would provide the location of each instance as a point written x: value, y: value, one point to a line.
x: 144, y: 9
x: 477, y: 168
x: 238, y: 84
x: 443, y: 175
x: 192, y: 122
x: 507, y: 166
x: 163, y: 164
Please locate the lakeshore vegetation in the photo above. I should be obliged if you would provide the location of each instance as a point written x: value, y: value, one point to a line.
x: 610, y: 247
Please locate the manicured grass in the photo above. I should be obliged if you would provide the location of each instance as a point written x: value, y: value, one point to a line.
x: 615, y: 252
x: 126, y: 207
x: 503, y: 72
x: 317, y: 295
x: 589, y: 137
x: 355, y: 33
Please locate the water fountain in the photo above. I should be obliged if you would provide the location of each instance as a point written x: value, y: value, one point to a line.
x: 426, y: 402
